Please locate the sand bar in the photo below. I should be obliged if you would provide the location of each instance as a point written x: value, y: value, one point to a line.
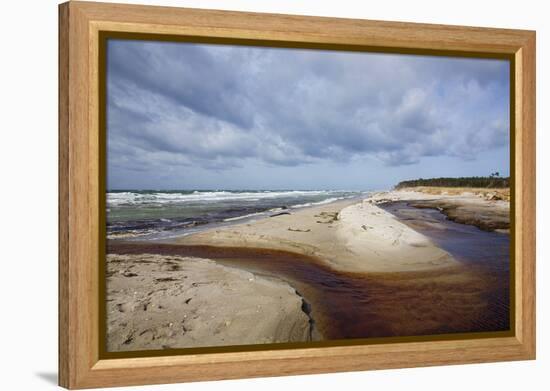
x: 350, y: 235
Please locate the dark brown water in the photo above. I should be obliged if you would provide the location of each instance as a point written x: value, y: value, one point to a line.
x: 486, y: 253
x: 473, y: 297
x: 468, y: 244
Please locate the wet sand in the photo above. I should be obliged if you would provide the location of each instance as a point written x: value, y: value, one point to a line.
x: 487, y: 209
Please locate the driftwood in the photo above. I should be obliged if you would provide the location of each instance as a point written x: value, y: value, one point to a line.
x: 279, y: 214
x: 298, y: 230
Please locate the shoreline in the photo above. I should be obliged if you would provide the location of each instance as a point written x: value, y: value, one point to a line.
x: 169, y: 227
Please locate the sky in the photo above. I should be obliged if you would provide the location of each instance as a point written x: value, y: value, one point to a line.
x: 199, y: 116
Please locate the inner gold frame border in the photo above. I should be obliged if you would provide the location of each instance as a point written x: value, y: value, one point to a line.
x: 83, y: 29
x: 105, y: 36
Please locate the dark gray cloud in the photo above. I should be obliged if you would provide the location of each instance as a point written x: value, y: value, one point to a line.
x: 219, y: 107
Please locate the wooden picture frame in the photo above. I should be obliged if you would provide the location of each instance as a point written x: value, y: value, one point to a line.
x: 81, y: 163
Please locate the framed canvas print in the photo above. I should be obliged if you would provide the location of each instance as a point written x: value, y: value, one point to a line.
x: 248, y: 195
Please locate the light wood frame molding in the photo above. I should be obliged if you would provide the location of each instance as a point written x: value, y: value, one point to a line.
x: 80, y: 165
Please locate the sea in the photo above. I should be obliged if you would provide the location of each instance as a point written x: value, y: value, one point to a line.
x: 164, y: 214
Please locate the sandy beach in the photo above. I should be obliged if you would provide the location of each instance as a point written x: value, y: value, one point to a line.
x: 301, y: 274
x: 160, y: 302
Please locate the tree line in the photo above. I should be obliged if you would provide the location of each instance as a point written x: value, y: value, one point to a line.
x: 476, y: 181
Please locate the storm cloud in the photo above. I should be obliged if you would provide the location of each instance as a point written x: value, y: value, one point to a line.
x: 174, y: 107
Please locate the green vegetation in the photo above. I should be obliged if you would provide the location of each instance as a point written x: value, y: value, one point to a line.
x: 493, y: 181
